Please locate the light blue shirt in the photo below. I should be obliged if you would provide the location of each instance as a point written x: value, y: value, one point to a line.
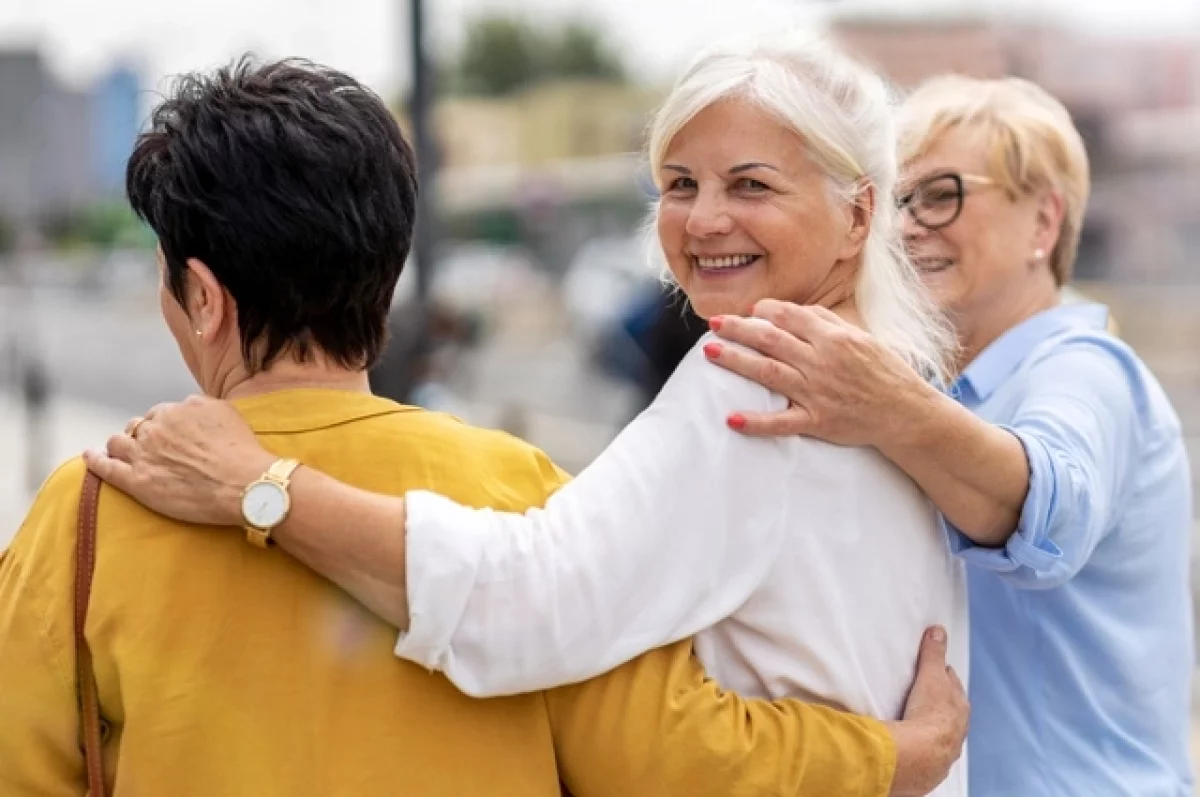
x: 1081, y: 625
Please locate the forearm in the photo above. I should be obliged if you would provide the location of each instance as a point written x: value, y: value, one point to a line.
x: 350, y: 536
x: 975, y: 473
x: 924, y: 754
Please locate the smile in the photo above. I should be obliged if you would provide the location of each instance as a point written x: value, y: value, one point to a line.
x: 725, y: 262
x: 932, y: 265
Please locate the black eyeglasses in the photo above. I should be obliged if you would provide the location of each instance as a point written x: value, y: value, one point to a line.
x: 937, y: 201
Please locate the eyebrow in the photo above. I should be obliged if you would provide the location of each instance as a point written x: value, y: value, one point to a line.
x: 741, y: 167
x: 907, y: 183
x: 745, y: 167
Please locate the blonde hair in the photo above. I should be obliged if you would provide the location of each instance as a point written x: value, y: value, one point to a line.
x: 1031, y: 144
x: 845, y: 115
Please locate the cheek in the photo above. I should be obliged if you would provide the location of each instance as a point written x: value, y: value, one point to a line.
x: 672, y: 223
x: 800, y: 246
x: 173, y: 315
x: 672, y: 234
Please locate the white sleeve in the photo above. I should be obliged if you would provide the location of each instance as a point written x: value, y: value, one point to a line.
x: 668, y: 532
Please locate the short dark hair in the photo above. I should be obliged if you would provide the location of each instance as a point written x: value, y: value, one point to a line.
x: 294, y: 184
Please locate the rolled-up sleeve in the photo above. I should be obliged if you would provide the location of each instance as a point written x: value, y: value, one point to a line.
x: 1079, y: 424
x: 665, y: 534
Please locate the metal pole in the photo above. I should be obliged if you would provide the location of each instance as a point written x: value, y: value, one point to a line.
x: 425, y: 149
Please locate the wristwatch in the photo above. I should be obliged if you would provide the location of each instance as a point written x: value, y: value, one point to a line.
x: 266, y: 501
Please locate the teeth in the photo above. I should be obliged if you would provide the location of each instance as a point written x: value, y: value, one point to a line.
x: 730, y: 261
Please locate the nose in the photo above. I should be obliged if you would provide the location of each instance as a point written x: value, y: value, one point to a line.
x: 912, y: 231
x: 709, y: 215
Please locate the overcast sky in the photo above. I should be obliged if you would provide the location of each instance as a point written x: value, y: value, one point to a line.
x: 367, y: 37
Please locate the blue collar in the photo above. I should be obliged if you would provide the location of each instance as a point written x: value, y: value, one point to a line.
x: 997, y: 362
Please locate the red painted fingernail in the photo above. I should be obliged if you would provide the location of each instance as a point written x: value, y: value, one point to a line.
x: 712, y: 350
x: 736, y: 422
x: 715, y: 322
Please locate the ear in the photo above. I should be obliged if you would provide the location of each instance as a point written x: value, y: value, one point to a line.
x: 1048, y: 221
x: 210, y: 306
x: 861, y: 214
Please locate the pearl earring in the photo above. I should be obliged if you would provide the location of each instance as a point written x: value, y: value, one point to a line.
x: 1038, y: 254
x: 199, y: 333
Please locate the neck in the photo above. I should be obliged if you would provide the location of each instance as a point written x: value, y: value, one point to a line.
x: 985, y: 329
x: 286, y: 374
x: 838, y: 295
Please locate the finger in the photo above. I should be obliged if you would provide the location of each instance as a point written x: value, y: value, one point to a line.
x: 113, y: 471
x: 805, y: 322
x: 199, y: 400
x: 932, y: 657
x: 771, y: 373
x: 827, y: 315
x: 133, y: 424
x: 788, y: 423
x: 158, y: 409
x: 954, y: 679
x: 764, y: 337
x: 122, y: 447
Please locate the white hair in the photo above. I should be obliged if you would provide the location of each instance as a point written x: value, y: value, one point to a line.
x: 845, y: 114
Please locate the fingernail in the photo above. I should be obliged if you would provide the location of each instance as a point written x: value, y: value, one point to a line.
x: 938, y: 634
x: 712, y: 350
x: 715, y: 322
x: 737, y: 422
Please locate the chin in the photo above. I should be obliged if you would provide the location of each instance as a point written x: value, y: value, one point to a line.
x: 709, y: 303
x: 707, y: 307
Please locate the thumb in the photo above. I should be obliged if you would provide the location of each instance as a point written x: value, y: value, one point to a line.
x: 932, y: 657
x: 113, y: 471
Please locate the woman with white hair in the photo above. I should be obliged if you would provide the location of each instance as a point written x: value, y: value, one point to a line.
x: 1057, y: 461
x: 801, y: 568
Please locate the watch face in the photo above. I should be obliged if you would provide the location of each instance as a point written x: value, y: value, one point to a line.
x: 264, y: 505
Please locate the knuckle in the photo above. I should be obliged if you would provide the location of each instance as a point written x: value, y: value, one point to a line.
x: 771, y: 372
x: 771, y: 336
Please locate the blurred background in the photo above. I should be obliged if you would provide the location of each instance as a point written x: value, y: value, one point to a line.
x: 528, y: 304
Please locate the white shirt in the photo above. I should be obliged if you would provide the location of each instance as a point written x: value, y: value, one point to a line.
x: 803, y: 569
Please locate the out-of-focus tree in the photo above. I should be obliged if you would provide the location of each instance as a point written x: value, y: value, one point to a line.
x: 501, y: 55
x: 580, y: 50
x: 102, y: 225
x: 504, y: 54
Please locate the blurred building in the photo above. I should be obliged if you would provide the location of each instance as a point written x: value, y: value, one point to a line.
x: 551, y: 166
x: 551, y: 121
x: 116, y: 117
x: 1136, y: 102
x: 61, y: 148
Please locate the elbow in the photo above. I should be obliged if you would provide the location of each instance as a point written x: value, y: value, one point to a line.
x: 988, y: 525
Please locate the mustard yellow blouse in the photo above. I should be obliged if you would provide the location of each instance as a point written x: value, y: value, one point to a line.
x: 229, y: 670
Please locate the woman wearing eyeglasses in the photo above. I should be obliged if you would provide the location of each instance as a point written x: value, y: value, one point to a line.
x: 1057, y: 461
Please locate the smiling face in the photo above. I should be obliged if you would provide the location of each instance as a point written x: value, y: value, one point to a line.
x: 746, y: 215
x: 982, y: 268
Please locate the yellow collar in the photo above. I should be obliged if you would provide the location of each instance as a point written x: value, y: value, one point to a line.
x: 308, y: 409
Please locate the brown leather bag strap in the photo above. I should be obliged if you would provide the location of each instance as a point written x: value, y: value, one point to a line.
x: 89, y: 699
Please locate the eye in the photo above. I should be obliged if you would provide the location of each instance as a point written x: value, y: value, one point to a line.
x: 939, y: 195
x: 751, y: 185
x: 682, y: 184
